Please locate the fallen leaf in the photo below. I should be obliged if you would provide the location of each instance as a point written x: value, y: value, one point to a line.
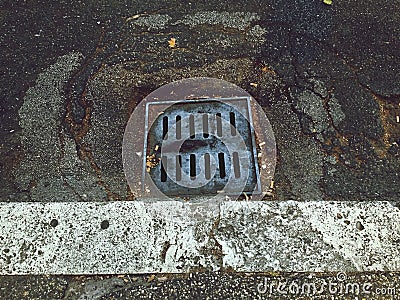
x: 272, y: 184
x: 328, y: 2
x: 133, y: 18
x: 172, y: 42
x: 247, y: 197
x: 265, y: 69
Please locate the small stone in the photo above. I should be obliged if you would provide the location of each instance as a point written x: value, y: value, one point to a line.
x: 53, y: 223
x: 105, y: 224
x: 359, y: 225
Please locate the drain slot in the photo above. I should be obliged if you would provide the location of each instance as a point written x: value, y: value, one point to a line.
x: 236, y: 165
x: 221, y: 163
x: 163, y: 169
x: 178, y: 128
x: 191, y: 127
x: 205, y: 126
x: 207, y: 166
x: 219, y: 124
x: 192, y: 166
x: 165, y: 127
x: 233, y: 123
x: 178, y: 168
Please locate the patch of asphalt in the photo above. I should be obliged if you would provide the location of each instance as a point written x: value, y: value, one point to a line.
x: 222, y: 285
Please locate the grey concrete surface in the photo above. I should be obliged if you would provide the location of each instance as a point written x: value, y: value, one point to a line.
x: 171, y: 237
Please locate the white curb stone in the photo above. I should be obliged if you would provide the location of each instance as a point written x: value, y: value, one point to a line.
x: 169, y: 237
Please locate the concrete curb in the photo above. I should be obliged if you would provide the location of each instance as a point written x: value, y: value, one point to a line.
x: 139, y: 237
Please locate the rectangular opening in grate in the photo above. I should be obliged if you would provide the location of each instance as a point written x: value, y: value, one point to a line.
x: 203, y: 164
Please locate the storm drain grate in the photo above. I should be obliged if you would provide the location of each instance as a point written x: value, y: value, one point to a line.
x: 202, y: 146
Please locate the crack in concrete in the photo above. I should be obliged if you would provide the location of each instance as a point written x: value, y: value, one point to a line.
x: 328, y: 98
x: 78, y: 129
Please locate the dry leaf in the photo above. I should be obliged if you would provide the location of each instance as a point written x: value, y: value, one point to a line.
x: 172, y: 42
x: 133, y: 18
x: 272, y: 184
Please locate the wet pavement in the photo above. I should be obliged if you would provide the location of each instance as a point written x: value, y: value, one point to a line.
x: 327, y: 77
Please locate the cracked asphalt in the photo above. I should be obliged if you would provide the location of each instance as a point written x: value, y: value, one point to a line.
x: 327, y: 77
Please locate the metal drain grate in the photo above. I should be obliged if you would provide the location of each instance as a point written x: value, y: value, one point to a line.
x: 202, y: 146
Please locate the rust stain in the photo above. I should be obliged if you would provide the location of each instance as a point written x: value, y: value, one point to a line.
x: 391, y: 129
x: 79, y: 130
